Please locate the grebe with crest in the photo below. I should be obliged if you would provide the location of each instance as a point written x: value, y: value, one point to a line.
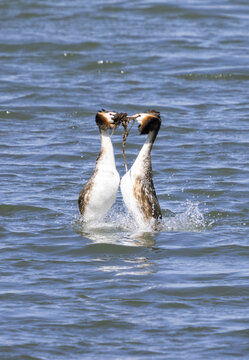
x: 99, y: 193
x: 137, y: 185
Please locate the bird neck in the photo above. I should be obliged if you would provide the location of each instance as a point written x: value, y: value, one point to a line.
x: 142, y: 163
x: 106, y: 155
x: 146, y: 148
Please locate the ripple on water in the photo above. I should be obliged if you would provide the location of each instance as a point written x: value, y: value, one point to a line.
x: 110, y: 289
x: 217, y: 74
x: 10, y: 210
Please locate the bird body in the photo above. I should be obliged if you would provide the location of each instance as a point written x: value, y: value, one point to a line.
x: 137, y: 185
x: 99, y: 193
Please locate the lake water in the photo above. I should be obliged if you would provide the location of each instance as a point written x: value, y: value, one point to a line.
x: 111, y: 291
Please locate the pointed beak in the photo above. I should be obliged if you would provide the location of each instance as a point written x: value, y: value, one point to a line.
x: 131, y: 117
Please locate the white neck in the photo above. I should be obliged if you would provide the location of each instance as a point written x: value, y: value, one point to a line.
x: 106, y: 153
x: 144, y: 154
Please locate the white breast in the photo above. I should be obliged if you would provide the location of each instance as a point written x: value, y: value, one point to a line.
x: 103, y: 184
x: 133, y: 206
x: 103, y: 193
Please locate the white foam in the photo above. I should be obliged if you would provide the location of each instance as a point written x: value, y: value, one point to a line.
x: 191, y: 219
x: 120, y: 228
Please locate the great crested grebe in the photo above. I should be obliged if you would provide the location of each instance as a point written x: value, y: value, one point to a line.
x: 137, y: 185
x: 99, y: 193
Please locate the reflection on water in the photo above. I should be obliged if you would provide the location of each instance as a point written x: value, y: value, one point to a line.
x: 137, y: 266
x: 112, y: 232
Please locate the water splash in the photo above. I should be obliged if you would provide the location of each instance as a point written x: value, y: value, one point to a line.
x: 119, y: 227
x: 191, y: 219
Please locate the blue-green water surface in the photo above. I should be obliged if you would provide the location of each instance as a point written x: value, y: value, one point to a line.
x: 111, y: 291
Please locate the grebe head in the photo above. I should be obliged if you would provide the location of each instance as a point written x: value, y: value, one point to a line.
x: 107, y: 119
x: 148, y: 121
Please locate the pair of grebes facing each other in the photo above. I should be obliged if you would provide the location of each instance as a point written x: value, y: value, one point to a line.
x: 139, y: 195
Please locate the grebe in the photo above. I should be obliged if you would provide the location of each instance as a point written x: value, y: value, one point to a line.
x: 99, y: 193
x: 137, y: 186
